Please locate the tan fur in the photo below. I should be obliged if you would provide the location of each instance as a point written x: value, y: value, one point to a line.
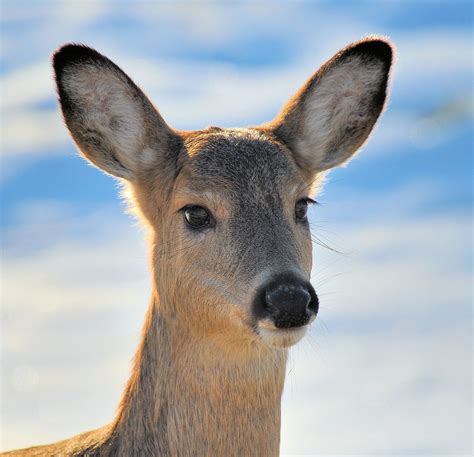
x: 207, y: 379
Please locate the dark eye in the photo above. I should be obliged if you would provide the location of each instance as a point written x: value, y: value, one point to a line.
x: 196, y: 216
x: 301, y: 209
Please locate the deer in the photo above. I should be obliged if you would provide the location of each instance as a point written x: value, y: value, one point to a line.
x: 229, y: 242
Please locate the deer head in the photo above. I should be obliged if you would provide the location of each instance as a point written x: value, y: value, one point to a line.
x: 231, y: 245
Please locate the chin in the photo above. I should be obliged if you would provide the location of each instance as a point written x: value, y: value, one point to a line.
x: 281, y: 337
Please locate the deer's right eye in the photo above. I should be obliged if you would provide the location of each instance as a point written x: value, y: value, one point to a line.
x: 197, y: 217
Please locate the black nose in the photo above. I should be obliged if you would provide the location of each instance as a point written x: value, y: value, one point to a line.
x: 288, y: 301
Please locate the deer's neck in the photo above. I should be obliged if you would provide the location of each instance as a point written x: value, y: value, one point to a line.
x: 187, y: 397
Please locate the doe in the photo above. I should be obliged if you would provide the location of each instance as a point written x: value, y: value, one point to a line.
x: 230, y: 248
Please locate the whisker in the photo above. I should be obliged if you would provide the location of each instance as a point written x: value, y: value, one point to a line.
x: 321, y: 243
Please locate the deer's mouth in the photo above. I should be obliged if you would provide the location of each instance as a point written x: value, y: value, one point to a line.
x: 281, y: 337
x: 283, y: 309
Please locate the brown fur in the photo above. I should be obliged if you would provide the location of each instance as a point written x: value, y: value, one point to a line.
x: 205, y: 381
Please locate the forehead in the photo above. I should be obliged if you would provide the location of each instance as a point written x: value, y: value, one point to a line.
x: 240, y: 161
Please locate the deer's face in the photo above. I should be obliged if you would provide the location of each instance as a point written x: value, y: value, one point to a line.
x: 227, y: 207
x: 235, y: 240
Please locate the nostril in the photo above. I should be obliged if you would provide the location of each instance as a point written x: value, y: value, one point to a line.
x: 314, y: 302
x: 304, y: 297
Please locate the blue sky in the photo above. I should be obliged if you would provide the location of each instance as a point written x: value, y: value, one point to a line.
x: 396, y: 309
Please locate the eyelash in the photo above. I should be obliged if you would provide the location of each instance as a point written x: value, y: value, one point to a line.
x: 310, y: 201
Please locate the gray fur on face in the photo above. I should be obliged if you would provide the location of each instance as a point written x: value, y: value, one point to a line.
x: 254, y: 175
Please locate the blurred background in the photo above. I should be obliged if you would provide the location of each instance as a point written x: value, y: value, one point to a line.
x: 387, y: 368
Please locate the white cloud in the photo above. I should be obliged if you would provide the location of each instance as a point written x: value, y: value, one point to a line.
x: 68, y: 13
x: 392, y: 261
x: 380, y: 393
x: 33, y: 132
x: 70, y: 286
x: 428, y: 56
x: 28, y: 85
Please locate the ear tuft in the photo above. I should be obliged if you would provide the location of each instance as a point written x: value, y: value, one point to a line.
x: 73, y: 53
x: 376, y: 47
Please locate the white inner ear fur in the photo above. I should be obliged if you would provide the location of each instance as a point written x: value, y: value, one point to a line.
x: 109, y: 105
x: 340, y: 100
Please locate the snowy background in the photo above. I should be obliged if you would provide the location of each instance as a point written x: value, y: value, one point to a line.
x: 387, y: 369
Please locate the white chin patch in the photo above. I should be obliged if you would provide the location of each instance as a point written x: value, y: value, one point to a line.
x: 281, y: 337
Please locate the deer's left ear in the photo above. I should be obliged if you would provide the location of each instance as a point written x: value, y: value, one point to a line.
x: 333, y: 113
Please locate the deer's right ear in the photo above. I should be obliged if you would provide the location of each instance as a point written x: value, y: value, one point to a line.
x: 111, y: 120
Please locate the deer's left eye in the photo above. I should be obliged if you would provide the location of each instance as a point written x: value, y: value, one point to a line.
x: 301, y: 209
